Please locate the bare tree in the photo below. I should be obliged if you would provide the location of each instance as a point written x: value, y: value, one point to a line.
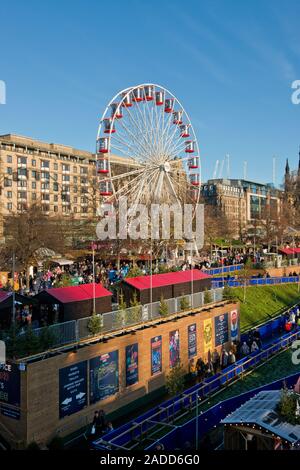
x: 28, y: 231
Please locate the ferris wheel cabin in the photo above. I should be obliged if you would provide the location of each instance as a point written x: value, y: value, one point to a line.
x: 184, y: 130
x: 177, y: 117
x: 137, y: 95
x: 102, y: 145
x: 159, y: 98
x: 102, y: 165
x: 105, y: 188
x: 194, y: 179
x: 127, y: 100
x: 193, y: 163
x: 116, y: 111
x: 189, y: 148
x: 148, y: 93
x: 109, y: 127
x: 169, y: 104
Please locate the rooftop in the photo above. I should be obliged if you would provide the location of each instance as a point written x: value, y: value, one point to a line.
x: 77, y: 293
x: 166, y: 279
x: 261, y: 410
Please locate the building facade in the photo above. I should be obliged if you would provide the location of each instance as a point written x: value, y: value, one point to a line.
x: 243, y: 202
x: 58, y: 177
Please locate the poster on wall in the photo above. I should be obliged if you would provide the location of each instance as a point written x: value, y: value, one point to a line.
x: 10, y: 384
x: 132, y: 369
x: 207, y: 335
x: 174, y: 348
x: 156, y: 355
x: 192, y: 340
x: 72, y: 389
x: 234, y: 325
x: 221, y: 329
x: 104, y: 376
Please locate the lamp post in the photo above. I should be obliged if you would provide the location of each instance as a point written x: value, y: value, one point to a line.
x: 94, y: 291
x: 197, y: 423
x: 13, y: 287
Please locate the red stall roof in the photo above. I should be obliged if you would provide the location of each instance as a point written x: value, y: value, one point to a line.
x: 290, y: 251
x: 166, y: 279
x: 78, y: 293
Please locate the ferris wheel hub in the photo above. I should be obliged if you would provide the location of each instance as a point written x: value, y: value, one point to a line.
x: 165, y: 167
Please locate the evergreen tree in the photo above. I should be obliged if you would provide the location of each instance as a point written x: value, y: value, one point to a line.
x: 163, y: 307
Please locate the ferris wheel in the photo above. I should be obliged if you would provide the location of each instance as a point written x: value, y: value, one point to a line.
x: 149, y: 129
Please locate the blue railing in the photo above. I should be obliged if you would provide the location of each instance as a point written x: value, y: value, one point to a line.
x: 224, y: 269
x: 165, y: 413
x: 212, y: 417
x: 255, y: 282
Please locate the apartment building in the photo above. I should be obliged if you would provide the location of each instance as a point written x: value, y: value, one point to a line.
x: 58, y: 177
x: 243, y: 202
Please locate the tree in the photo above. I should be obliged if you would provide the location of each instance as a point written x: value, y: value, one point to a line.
x: 207, y: 297
x: 163, y: 307
x: 184, y: 303
x: 134, y: 271
x: 25, y: 233
x: 121, y: 312
x: 287, y: 406
x: 245, y: 275
x: 95, y: 324
x: 175, y: 380
x: 134, y: 313
x: 228, y: 293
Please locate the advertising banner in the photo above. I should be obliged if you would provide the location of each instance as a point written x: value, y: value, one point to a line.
x: 72, y: 389
x: 234, y: 325
x: 156, y: 355
x: 10, y: 384
x: 104, y: 376
x: 132, y: 369
x: 221, y: 329
x: 192, y: 340
x: 174, y: 348
x: 207, y: 335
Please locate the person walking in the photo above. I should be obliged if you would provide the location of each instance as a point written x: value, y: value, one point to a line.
x: 215, y: 359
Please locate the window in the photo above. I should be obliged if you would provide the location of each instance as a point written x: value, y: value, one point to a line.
x: 55, y: 209
x: 21, y: 206
x: 22, y: 160
x: 54, y: 176
x: 55, y: 198
x: 45, y: 164
x: 22, y: 195
x: 9, y: 159
x: 33, y: 196
x: 45, y: 175
x: 33, y: 162
x: 22, y: 172
x: 84, y: 210
x: 45, y: 197
x: 55, y: 166
x: 45, y: 207
x: 75, y: 179
x: 45, y: 185
x: 33, y: 185
x: 22, y: 184
x: 75, y: 200
x: 9, y: 170
x: 75, y: 190
x: 9, y: 194
x: 83, y: 180
x: 55, y: 186
x: 83, y: 170
x: 75, y: 209
x: 75, y: 169
x: 7, y: 182
x: 9, y: 206
x: 65, y: 167
x: 66, y: 177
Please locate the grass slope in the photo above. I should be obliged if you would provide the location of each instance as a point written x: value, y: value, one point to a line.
x: 264, y: 302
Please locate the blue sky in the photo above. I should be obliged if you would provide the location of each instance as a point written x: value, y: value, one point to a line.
x: 231, y: 63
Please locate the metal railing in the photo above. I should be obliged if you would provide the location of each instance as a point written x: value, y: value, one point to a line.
x: 256, y: 282
x: 128, y: 436
x: 73, y: 331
